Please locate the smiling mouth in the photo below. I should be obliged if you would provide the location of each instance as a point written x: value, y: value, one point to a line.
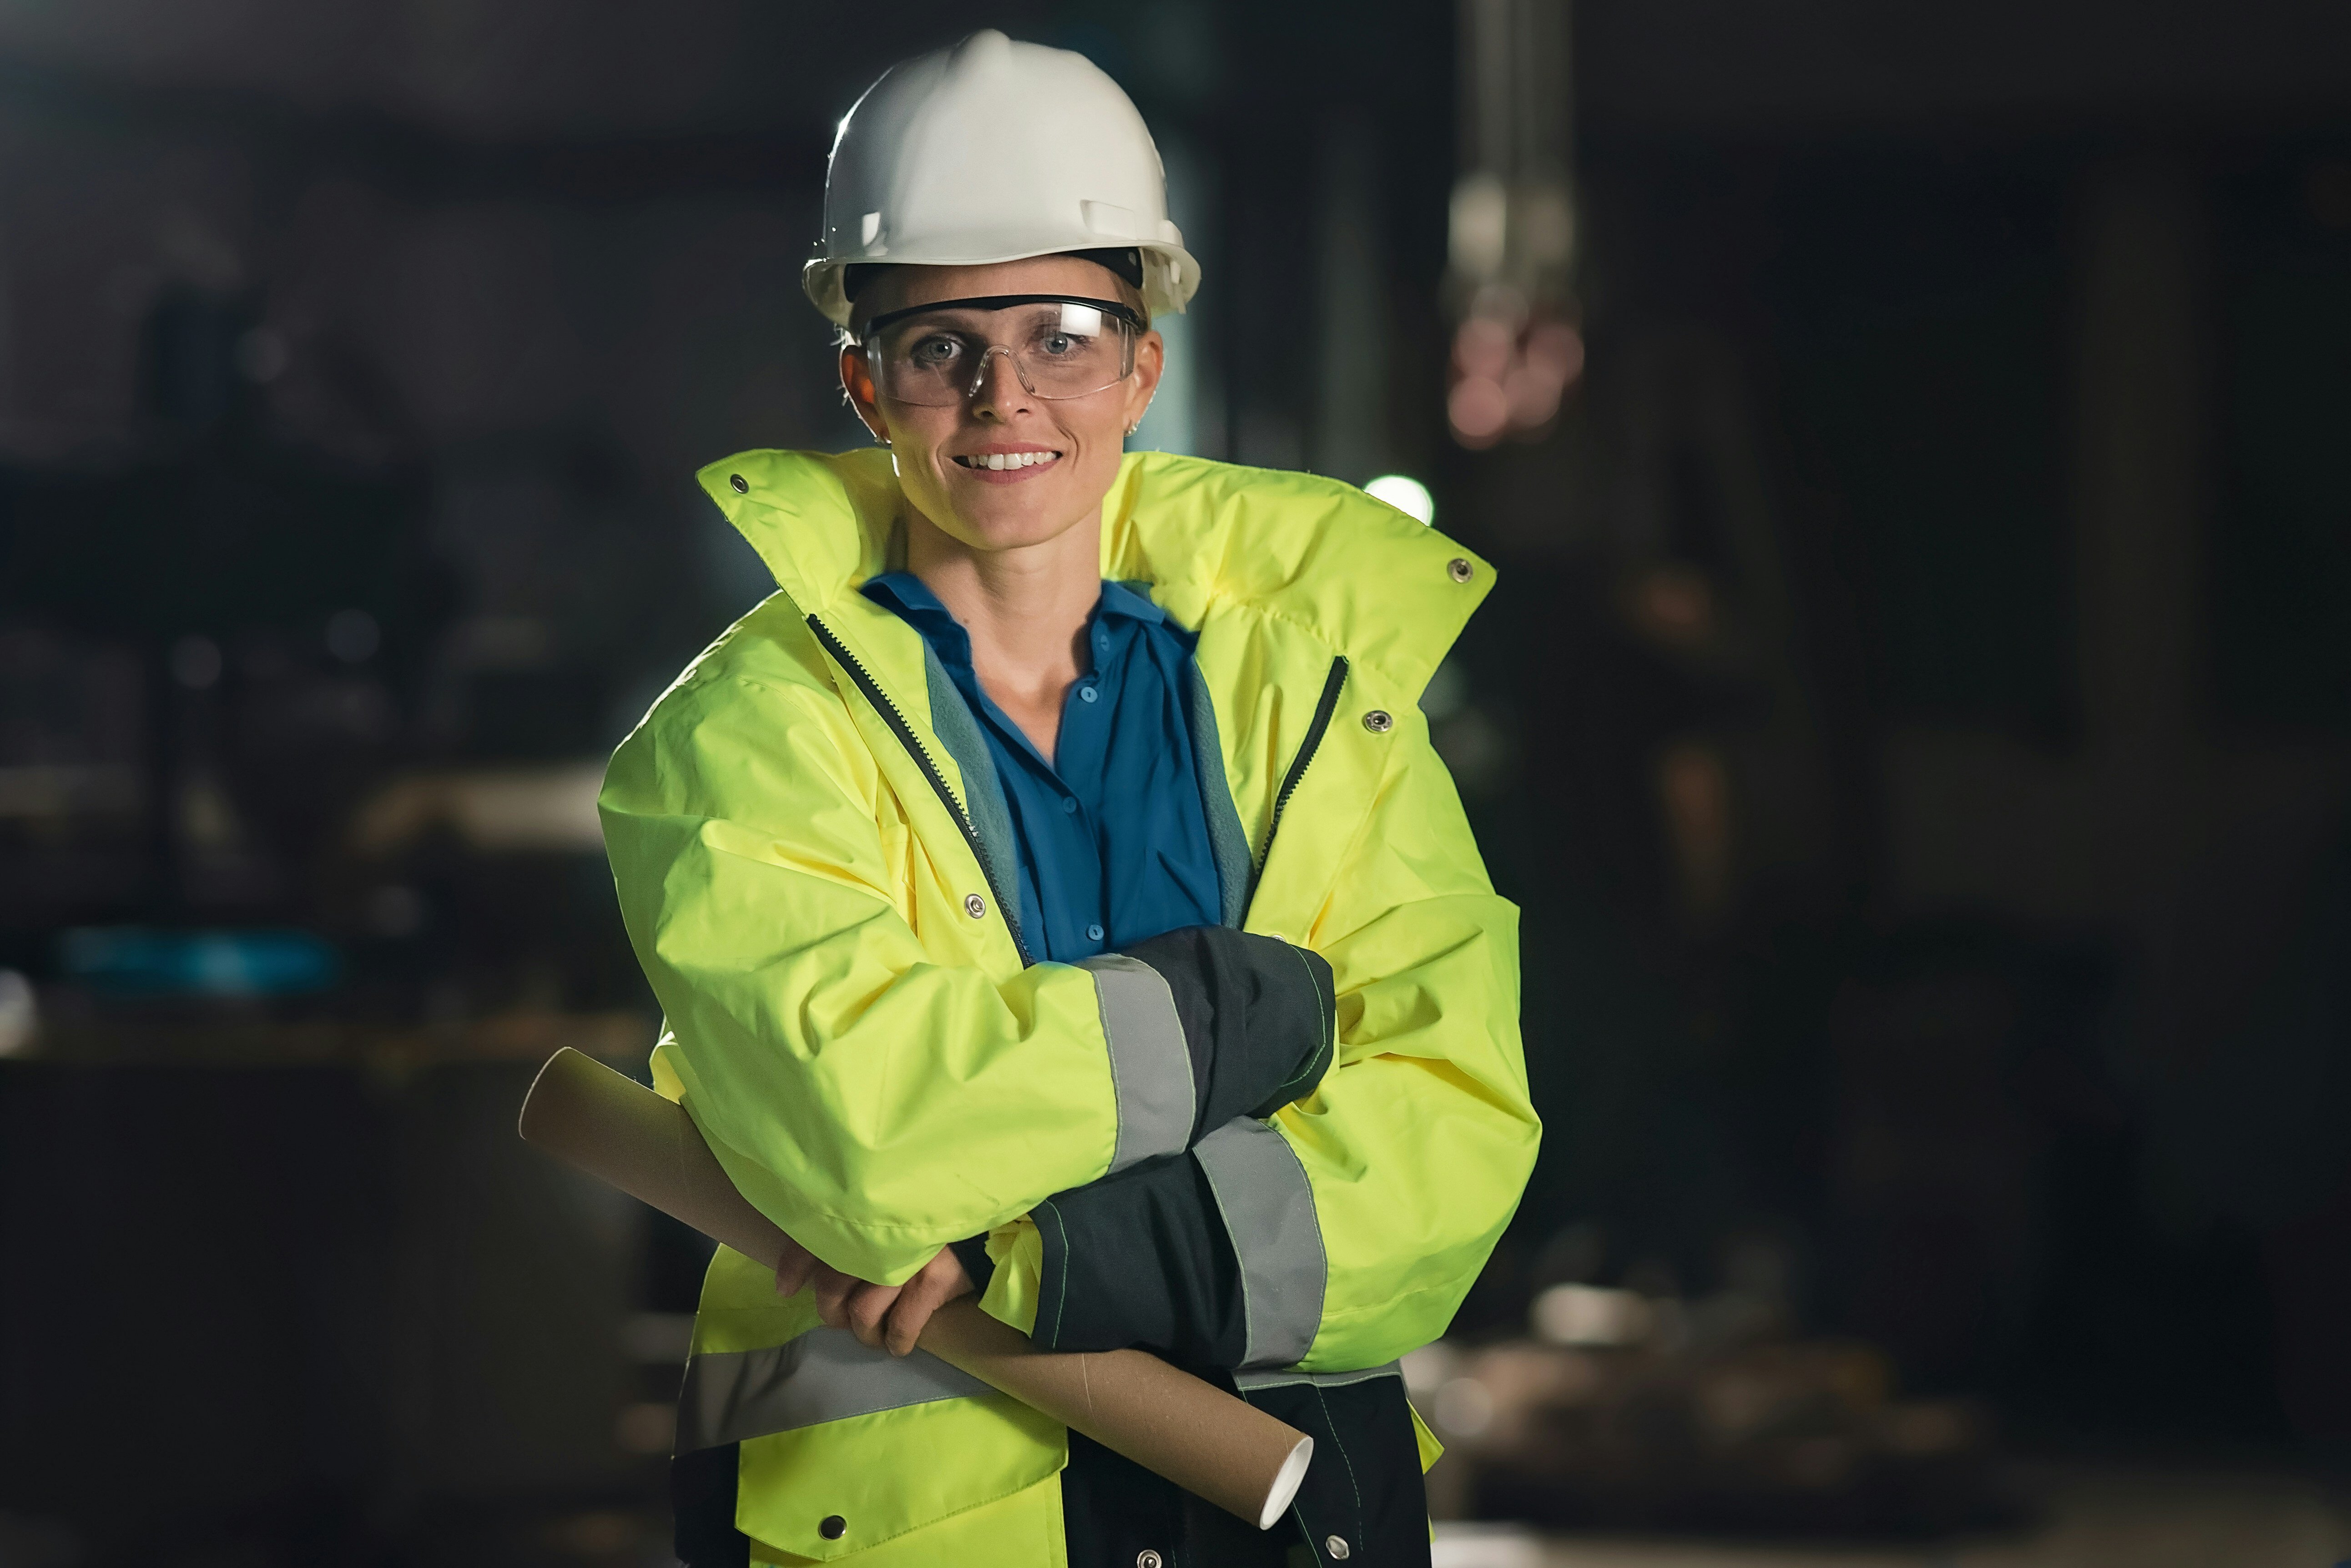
x: 999, y: 461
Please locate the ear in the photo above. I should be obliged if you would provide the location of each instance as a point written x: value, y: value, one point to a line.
x: 1150, y: 364
x: 857, y: 381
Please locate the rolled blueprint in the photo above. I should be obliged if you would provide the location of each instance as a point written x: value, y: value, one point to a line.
x: 1193, y: 1434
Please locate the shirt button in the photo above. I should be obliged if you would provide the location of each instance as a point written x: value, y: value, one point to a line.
x: 1094, y: 933
x: 1336, y: 1545
x: 1087, y: 694
x: 1146, y: 1558
x: 1068, y: 805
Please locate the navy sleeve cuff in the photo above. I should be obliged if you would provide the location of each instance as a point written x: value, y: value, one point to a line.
x: 1201, y: 1243
x: 1141, y: 1259
x: 1209, y: 1023
x: 1211, y: 1259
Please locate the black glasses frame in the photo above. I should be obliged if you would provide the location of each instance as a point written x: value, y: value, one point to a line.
x: 1001, y: 301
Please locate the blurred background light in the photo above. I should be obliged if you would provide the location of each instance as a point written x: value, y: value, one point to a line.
x: 19, y: 1012
x: 136, y: 962
x: 1405, y: 494
x: 1583, y: 1315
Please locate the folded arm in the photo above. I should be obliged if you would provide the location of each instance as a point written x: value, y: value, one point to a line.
x: 877, y: 1101
x: 1343, y: 1228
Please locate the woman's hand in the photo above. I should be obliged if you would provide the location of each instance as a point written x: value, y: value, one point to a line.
x: 889, y: 1316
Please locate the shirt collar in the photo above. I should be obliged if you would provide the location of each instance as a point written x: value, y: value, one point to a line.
x: 1128, y: 601
x: 911, y: 599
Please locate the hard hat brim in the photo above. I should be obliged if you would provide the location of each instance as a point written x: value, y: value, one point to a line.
x: 1171, y: 275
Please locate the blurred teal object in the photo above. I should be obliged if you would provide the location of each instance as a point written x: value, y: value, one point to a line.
x: 131, y: 961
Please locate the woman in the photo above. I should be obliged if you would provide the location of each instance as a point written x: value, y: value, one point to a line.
x: 1053, y: 895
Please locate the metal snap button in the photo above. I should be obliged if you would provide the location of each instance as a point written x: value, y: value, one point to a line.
x: 833, y: 1528
x: 1336, y: 1545
x: 1146, y: 1558
x: 1379, y: 721
x: 743, y: 486
x: 975, y: 906
x: 1459, y: 569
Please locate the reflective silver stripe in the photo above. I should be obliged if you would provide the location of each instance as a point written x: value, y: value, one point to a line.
x: 1150, y: 1066
x: 1282, y: 1378
x: 823, y: 1375
x: 1269, y: 1212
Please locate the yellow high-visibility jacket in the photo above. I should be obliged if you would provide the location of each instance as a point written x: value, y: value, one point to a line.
x: 817, y: 894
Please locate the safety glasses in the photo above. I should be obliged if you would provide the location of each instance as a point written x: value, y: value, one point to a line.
x: 1061, y: 346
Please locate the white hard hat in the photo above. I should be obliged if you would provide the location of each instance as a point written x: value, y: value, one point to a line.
x: 993, y: 151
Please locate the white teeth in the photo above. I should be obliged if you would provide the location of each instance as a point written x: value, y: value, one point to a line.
x: 1002, y: 460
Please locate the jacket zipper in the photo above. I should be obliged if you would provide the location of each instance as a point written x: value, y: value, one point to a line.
x: 905, y: 733
x: 1323, y: 709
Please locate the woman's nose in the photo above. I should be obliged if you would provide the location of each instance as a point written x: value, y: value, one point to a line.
x: 997, y: 388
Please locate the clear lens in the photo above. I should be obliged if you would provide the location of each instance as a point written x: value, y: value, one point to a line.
x: 1059, y: 349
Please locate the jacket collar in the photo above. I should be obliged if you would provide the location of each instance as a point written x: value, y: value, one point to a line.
x: 1369, y: 581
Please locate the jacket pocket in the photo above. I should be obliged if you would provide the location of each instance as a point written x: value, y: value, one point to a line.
x: 825, y: 1491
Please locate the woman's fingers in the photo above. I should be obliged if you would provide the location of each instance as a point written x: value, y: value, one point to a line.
x: 833, y: 1293
x: 942, y: 1279
x: 867, y: 1305
x: 914, y: 1306
x: 794, y: 1268
x: 889, y: 1316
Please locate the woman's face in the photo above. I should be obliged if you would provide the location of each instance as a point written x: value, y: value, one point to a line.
x: 1068, y: 448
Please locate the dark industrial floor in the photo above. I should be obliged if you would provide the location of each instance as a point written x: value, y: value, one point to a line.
x: 2085, y: 1516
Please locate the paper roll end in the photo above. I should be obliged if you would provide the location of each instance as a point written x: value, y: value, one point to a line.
x: 1286, y: 1482
x: 551, y: 1072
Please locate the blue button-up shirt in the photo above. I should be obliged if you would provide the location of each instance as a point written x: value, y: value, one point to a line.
x: 1112, y: 840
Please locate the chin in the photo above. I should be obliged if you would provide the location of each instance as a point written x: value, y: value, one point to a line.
x: 1012, y: 528
x: 1013, y: 519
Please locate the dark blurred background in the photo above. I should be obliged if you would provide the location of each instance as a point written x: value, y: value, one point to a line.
x: 1915, y: 719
